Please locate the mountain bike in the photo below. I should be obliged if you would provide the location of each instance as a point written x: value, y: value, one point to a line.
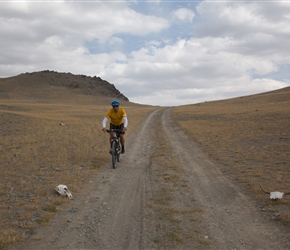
x: 115, y: 145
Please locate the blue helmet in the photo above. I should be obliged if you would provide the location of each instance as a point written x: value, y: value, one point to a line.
x: 115, y: 103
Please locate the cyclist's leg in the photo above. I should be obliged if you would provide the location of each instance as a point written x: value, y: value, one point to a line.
x: 111, y: 136
x: 112, y: 127
x: 122, y: 139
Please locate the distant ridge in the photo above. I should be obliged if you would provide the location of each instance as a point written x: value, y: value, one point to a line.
x: 84, y: 84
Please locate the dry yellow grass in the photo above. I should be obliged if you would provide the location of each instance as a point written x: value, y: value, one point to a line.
x: 37, y: 154
x: 250, y: 137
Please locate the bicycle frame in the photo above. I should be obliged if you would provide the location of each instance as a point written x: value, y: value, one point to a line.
x: 115, y: 145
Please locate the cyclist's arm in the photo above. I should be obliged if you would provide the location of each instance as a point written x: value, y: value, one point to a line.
x: 105, y: 122
x: 125, y: 122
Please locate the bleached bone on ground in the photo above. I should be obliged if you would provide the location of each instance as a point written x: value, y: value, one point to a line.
x: 275, y: 195
x: 63, y: 190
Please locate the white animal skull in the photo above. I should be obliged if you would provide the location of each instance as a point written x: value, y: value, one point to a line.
x: 275, y: 195
x: 63, y: 190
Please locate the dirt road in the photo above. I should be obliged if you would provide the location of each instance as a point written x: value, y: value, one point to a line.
x: 164, y: 194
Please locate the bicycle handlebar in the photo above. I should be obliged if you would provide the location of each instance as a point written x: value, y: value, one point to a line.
x: 119, y: 131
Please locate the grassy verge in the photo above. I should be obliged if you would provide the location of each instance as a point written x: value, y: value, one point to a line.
x: 250, y: 137
x: 176, y: 216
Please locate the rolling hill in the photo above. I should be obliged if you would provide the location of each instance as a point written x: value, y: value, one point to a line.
x: 48, y: 85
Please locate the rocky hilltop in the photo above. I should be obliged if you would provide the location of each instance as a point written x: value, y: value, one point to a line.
x: 84, y: 84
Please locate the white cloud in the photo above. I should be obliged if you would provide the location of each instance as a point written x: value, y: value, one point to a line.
x: 218, y: 50
x: 184, y: 14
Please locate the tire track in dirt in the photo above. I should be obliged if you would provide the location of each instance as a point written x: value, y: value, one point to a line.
x: 233, y: 219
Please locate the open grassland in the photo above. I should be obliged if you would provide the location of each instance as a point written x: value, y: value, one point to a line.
x: 37, y: 154
x: 250, y: 138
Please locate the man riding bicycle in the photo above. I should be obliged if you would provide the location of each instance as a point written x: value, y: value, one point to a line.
x: 118, y: 120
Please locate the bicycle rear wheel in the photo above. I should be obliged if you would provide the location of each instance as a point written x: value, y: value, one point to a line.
x: 114, y: 154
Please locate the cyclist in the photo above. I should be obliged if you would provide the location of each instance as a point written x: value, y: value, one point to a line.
x: 118, y: 120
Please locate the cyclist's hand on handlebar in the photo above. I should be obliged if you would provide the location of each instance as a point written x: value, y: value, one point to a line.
x: 104, y: 130
x: 125, y: 128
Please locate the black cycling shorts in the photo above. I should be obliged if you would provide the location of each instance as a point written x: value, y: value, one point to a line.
x: 116, y: 127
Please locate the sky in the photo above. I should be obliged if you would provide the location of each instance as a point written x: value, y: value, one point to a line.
x: 155, y: 52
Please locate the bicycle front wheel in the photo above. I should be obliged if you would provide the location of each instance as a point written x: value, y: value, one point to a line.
x: 118, y: 157
x: 114, y: 154
x: 119, y: 151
